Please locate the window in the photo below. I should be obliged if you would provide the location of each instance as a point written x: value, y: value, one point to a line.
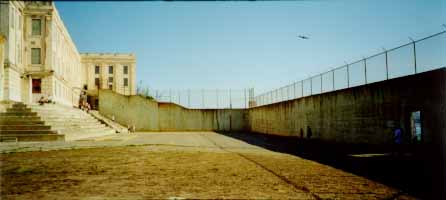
x: 96, y: 69
x: 37, y: 85
x: 110, y: 80
x: 110, y: 86
x: 35, y: 56
x: 126, y: 82
x: 126, y: 69
x: 96, y: 82
x: 110, y: 69
x: 36, y: 27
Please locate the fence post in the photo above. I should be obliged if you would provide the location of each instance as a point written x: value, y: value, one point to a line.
x: 216, y: 94
x: 202, y: 98
x: 321, y: 83
x: 365, y: 71
x: 333, y: 79
x: 230, y: 99
x: 170, y: 95
x: 294, y: 90
x: 414, y: 56
x: 302, y: 88
x: 244, y: 92
x: 387, y: 65
x: 311, y: 86
x: 348, y: 76
x: 188, y: 98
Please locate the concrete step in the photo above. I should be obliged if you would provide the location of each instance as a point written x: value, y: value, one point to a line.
x: 31, y: 137
x: 19, y: 106
x: 19, y: 118
x: 22, y: 122
x: 54, y: 116
x: 62, y: 113
x: 68, y: 120
x: 25, y: 127
x: 65, y: 123
x: 87, y: 131
x: 5, y: 132
x: 18, y: 110
x: 18, y: 114
x: 78, y: 126
x: 71, y: 128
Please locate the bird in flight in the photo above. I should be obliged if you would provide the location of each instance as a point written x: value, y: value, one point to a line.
x: 303, y: 37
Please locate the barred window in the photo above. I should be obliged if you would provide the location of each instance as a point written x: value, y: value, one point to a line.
x: 126, y: 69
x: 110, y: 69
x: 36, y: 27
x: 96, y: 69
x: 35, y: 56
x: 126, y: 82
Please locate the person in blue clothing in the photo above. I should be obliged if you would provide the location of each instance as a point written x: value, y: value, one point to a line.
x: 397, y: 140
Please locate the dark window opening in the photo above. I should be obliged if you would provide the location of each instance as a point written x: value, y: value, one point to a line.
x: 96, y: 69
x: 96, y: 82
x: 110, y: 69
x: 126, y: 69
x: 126, y: 82
x: 37, y: 85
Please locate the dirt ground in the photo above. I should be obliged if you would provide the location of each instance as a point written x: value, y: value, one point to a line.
x: 177, y: 172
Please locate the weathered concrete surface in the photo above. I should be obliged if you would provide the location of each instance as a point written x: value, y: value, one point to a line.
x: 148, y: 115
x: 129, y: 110
x: 365, y: 114
x: 173, y: 117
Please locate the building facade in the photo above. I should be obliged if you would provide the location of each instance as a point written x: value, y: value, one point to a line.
x: 41, y: 59
x: 109, y: 71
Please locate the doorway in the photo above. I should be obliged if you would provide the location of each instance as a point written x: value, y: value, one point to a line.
x: 416, y: 127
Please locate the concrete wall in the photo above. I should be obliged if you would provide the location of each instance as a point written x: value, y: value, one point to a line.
x: 364, y: 114
x: 129, y: 110
x: 149, y: 115
x: 174, y: 117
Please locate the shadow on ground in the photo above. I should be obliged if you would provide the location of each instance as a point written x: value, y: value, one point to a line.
x: 409, y: 171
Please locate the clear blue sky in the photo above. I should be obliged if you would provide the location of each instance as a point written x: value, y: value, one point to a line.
x: 246, y: 44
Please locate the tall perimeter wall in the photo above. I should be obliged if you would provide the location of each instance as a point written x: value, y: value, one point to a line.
x: 149, y: 115
x: 364, y: 114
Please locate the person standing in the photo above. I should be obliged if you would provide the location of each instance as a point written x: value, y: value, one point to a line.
x: 309, y: 133
x: 397, y: 140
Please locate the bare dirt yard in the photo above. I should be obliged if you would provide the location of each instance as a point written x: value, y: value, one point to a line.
x: 215, y: 167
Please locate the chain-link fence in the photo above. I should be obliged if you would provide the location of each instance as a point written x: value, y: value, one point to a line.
x: 415, y: 57
x: 200, y: 98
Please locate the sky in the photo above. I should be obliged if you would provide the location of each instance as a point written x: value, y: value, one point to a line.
x: 195, y: 45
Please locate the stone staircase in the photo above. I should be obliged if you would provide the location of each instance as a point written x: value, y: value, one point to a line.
x: 74, y: 123
x: 19, y: 123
